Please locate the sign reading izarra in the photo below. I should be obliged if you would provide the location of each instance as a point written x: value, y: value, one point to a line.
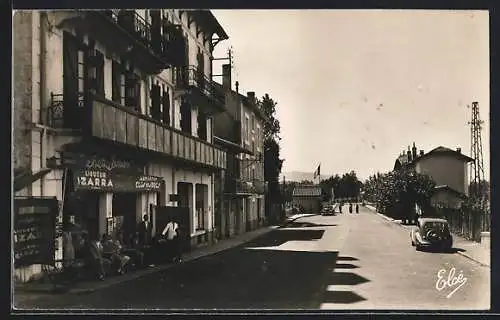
x: 34, y: 230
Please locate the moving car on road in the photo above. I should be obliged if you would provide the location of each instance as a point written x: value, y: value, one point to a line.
x: 328, y: 210
x: 431, y: 233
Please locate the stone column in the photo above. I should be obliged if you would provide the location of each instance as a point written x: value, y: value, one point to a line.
x: 105, y: 211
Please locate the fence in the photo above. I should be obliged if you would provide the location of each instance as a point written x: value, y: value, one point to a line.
x: 467, y: 222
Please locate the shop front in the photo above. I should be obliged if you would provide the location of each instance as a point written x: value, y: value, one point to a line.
x: 106, y: 195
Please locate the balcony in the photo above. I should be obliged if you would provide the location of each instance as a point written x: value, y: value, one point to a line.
x: 106, y: 120
x: 129, y: 36
x: 200, y: 90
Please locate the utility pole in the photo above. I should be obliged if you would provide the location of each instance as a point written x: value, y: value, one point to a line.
x: 476, y: 174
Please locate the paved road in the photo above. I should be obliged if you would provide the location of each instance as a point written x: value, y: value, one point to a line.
x: 348, y: 261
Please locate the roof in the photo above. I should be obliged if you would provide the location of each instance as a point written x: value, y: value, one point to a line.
x: 444, y: 151
x: 432, y: 220
x: 306, y: 191
x: 403, y: 160
x: 207, y: 18
x: 447, y: 188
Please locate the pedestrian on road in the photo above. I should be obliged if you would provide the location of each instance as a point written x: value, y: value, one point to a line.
x: 350, y: 207
x: 171, y: 233
x: 340, y: 207
x: 357, y: 207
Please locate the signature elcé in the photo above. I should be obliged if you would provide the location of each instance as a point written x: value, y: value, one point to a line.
x: 444, y: 281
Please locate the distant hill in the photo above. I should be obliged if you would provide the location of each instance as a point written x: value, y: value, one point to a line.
x: 299, y: 176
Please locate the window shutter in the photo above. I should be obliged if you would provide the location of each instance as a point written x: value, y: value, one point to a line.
x: 116, y: 81
x: 166, y: 106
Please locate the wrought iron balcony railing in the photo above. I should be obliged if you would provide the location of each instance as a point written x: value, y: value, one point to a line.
x: 54, y: 115
x: 190, y: 77
x: 244, y: 186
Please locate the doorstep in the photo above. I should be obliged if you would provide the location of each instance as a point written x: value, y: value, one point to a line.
x: 90, y: 286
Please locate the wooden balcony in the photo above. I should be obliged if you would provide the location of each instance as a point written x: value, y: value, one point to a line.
x: 128, y: 35
x: 106, y: 120
x: 116, y: 123
x: 200, y: 90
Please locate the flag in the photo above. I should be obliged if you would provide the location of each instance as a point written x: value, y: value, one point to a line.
x: 317, y: 173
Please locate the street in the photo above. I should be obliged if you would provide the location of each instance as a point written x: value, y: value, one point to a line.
x: 347, y: 261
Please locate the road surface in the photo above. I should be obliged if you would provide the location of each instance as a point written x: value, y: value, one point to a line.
x: 342, y: 262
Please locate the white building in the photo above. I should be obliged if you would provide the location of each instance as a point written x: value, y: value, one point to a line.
x: 122, y: 102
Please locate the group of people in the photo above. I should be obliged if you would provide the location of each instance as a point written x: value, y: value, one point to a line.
x: 109, y: 255
x: 350, y: 207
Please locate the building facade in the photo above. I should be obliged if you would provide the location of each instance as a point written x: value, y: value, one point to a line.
x: 239, y: 131
x: 448, y: 168
x: 308, y: 198
x: 113, y: 115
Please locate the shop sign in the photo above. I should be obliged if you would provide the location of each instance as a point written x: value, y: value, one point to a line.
x: 34, y: 230
x: 113, y: 182
x: 107, y: 164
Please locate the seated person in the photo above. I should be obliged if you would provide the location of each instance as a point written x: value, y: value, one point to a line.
x: 113, y: 251
x: 133, y: 251
x: 92, y: 255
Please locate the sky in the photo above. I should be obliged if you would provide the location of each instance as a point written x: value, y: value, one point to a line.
x: 356, y: 87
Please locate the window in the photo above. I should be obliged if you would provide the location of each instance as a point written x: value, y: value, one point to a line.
x: 166, y: 105
x: 253, y: 123
x: 247, y: 128
x: 96, y: 72
x: 132, y: 91
x: 200, y: 215
x: 74, y: 79
x: 155, y: 102
x: 202, y: 126
x: 186, y: 118
x: 118, y: 82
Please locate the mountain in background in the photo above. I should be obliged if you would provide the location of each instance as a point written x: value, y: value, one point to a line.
x: 299, y: 176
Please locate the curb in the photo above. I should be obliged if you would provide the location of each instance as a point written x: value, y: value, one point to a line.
x: 77, y: 291
x: 473, y: 259
x: 289, y: 221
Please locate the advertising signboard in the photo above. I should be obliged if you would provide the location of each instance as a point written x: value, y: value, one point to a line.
x: 34, y: 230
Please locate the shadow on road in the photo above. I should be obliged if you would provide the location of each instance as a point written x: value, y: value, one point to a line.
x: 335, y: 291
x: 437, y: 250
x: 294, y: 224
x: 278, y: 237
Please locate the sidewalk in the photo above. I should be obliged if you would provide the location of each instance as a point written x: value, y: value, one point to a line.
x: 471, y: 249
x: 28, y: 291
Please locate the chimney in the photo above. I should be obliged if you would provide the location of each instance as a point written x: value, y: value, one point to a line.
x: 421, y: 152
x: 414, y: 151
x: 459, y: 150
x: 226, y: 76
x: 251, y: 96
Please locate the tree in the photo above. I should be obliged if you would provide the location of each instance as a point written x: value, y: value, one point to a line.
x: 272, y: 161
x: 399, y: 191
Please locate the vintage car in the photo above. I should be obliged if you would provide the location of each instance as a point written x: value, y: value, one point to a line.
x: 431, y: 233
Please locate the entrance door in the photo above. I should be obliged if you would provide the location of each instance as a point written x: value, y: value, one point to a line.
x: 125, y: 204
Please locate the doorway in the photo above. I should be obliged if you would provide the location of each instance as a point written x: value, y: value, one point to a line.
x: 125, y: 204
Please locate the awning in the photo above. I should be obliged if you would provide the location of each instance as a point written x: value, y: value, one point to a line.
x: 27, y: 177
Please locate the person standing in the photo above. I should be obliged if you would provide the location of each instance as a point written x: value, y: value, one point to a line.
x: 357, y: 207
x: 350, y: 207
x: 171, y: 233
x: 145, y: 231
